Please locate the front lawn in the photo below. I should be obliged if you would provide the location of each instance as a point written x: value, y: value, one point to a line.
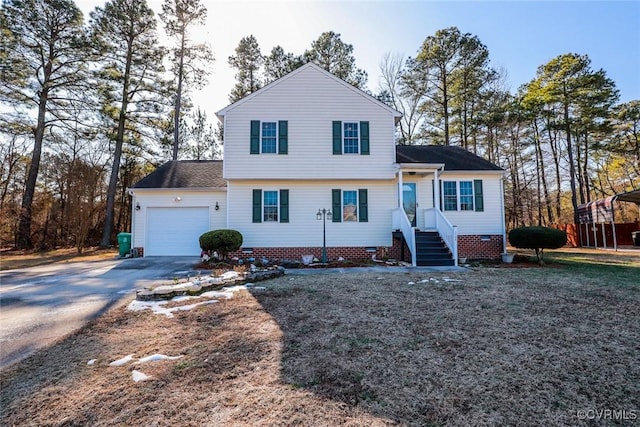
x: 494, y: 346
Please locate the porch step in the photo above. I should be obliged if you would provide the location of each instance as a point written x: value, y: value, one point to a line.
x: 431, y: 250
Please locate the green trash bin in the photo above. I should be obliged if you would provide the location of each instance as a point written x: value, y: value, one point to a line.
x: 124, y: 244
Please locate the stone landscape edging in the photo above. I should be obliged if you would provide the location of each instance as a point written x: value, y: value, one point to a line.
x: 201, y: 285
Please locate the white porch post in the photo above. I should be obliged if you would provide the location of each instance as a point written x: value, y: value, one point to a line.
x: 436, y: 190
x: 400, y: 189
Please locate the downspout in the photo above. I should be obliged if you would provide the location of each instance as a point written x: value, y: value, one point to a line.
x: 133, y: 215
x: 504, y: 225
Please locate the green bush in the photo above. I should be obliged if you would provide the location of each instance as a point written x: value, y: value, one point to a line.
x: 538, y: 238
x: 221, y: 241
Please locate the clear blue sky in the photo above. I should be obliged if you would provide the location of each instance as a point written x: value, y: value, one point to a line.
x: 520, y: 35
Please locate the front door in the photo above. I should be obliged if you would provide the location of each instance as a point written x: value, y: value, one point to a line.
x: 409, y: 201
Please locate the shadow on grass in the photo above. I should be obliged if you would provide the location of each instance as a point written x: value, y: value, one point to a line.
x: 503, y: 347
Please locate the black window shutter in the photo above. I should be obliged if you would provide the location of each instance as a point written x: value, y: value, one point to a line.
x: 363, y: 205
x: 255, y: 137
x: 257, y: 205
x: 337, y: 137
x: 284, y: 205
x: 478, y: 196
x: 364, y: 138
x: 336, y: 205
x: 283, y: 137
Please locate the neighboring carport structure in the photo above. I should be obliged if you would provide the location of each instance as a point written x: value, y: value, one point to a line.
x: 602, y: 212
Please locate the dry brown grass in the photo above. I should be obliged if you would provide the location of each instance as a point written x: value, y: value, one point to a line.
x: 11, y: 259
x: 502, y: 347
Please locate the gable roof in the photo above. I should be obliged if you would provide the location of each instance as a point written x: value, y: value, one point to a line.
x: 453, y: 158
x: 302, y: 69
x: 185, y: 174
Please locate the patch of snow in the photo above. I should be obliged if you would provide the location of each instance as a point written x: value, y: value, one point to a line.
x: 260, y: 288
x: 91, y: 362
x: 181, y: 298
x: 446, y: 279
x: 138, y: 376
x: 230, y: 275
x: 157, y: 357
x: 126, y: 291
x: 379, y: 278
x: 411, y: 283
x: 122, y: 361
x: 424, y: 280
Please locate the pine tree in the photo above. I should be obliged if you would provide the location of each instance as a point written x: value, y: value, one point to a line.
x: 247, y: 61
x: 336, y: 56
x: 44, y: 56
x: 130, y: 81
x: 190, y: 59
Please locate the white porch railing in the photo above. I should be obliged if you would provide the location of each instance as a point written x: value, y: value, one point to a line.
x: 434, y: 218
x: 401, y: 222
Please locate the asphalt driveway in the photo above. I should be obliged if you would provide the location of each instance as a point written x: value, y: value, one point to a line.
x: 42, y: 304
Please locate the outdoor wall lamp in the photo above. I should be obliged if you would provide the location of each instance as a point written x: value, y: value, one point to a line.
x: 137, y: 206
x: 217, y: 206
x: 177, y: 199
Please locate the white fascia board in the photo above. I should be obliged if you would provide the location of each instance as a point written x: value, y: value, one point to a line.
x: 408, y: 167
x: 163, y: 190
x: 471, y: 172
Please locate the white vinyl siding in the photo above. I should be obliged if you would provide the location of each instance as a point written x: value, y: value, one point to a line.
x: 310, y: 101
x: 489, y: 221
x: 303, y: 229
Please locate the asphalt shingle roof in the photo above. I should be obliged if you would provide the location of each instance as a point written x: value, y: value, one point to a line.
x: 454, y: 158
x: 185, y: 174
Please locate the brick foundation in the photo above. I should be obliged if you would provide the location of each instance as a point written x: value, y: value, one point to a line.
x: 469, y: 246
x: 475, y: 246
x: 399, y: 249
x: 296, y: 253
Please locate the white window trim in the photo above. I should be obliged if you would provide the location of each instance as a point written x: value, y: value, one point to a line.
x: 342, y: 205
x: 357, y: 123
x: 459, y: 196
x: 277, y: 130
x: 264, y: 192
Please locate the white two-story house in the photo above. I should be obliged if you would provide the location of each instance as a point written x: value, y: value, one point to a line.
x: 310, y: 143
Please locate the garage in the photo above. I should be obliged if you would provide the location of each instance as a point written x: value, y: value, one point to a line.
x: 174, y: 231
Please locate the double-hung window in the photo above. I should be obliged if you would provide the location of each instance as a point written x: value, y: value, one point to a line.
x: 350, y: 205
x: 462, y: 196
x: 270, y: 205
x: 269, y: 137
x: 351, y: 141
x: 351, y: 137
x: 449, y: 196
x: 466, y: 195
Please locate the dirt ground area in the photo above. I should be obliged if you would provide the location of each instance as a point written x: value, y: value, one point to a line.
x: 492, y: 346
x: 11, y: 259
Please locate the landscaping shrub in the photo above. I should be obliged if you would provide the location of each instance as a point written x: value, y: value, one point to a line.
x: 221, y: 241
x: 538, y: 238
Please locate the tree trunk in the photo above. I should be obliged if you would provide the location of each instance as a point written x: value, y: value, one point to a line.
x: 176, y: 118
x: 572, y: 166
x: 23, y: 238
x: 445, y: 106
x: 115, y: 167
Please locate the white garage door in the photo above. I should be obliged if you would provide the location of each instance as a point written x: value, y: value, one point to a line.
x: 175, y: 231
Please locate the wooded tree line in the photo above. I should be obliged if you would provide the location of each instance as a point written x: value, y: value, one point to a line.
x: 562, y: 138
x: 88, y: 108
